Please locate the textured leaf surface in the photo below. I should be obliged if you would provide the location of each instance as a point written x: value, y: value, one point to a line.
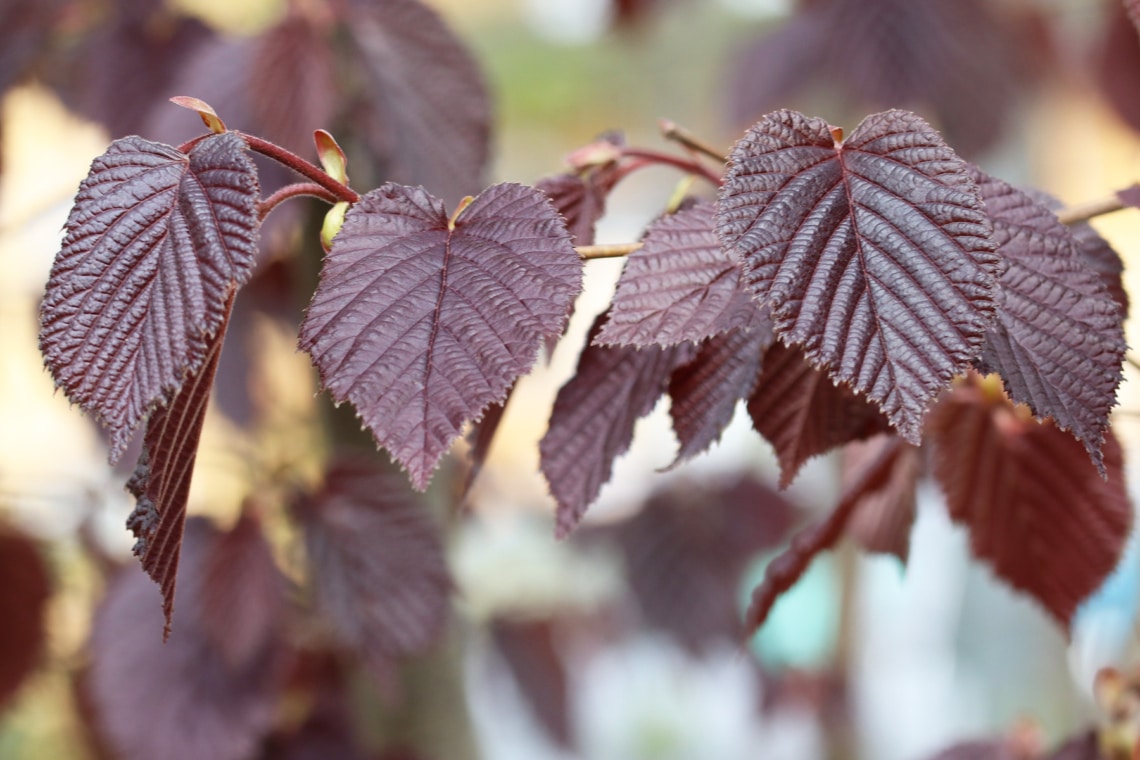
x: 581, y: 197
x: 160, y: 482
x: 802, y: 413
x: 874, y: 255
x: 183, y: 699
x: 154, y: 245
x: 705, y: 391
x: 1105, y: 261
x: 424, y: 104
x: 884, y: 513
x: 377, y: 564
x: 594, y: 415
x: 1037, y: 511
x: 679, y: 286
x: 422, y: 327
x: 24, y: 591
x: 1058, y: 341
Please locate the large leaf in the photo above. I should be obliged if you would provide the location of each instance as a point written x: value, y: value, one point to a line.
x: 1058, y: 342
x: 679, y: 286
x: 1036, y: 508
x: 594, y: 415
x: 874, y: 254
x: 154, y: 245
x: 802, y: 413
x: 25, y: 588
x: 187, y: 698
x: 377, y: 564
x: 422, y: 323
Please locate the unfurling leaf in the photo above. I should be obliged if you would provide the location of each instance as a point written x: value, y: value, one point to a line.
x: 802, y: 413
x: 884, y: 513
x: 679, y: 286
x: 705, y: 391
x: 377, y: 564
x: 422, y: 326
x: 24, y: 591
x: 1058, y: 342
x: 594, y: 415
x: 874, y: 254
x: 1036, y: 509
x: 193, y: 696
x: 155, y: 244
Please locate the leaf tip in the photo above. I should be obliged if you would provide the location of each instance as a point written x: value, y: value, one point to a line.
x: 204, y: 110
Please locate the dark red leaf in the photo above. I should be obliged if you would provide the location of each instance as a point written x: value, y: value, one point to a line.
x: 155, y: 244
x: 1130, y: 196
x: 1058, y: 341
x: 1035, y: 507
x: 185, y: 699
x: 686, y: 549
x: 481, y: 436
x: 874, y: 254
x: 581, y: 200
x: 884, y: 514
x: 160, y: 482
x: 679, y: 286
x: 24, y: 591
x: 1103, y: 259
x: 802, y: 413
x: 25, y: 26
x: 531, y: 651
x: 1083, y: 746
x: 1118, y: 64
x: 768, y: 71
x: 377, y: 566
x: 593, y: 418
x: 422, y: 325
x: 705, y: 391
x: 1133, y: 8
x: 423, y: 102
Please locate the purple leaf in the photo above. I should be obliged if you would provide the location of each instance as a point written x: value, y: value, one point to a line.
x: 423, y: 103
x: 1118, y: 63
x: 530, y: 649
x: 705, y: 391
x: 594, y: 415
x: 679, y: 286
x: 1035, y: 507
x: 25, y: 588
x: 874, y: 254
x: 481, y: 436
x: 1133, y: 8
x: 802, y: 413
x: 422, y: 326
x: 1103, y: 259
x: 884, y: 513
x: 185, y: 699
x: 581, y: 200
x: 155, y: 244
x: 377, y: 564
x: 1058, y: 341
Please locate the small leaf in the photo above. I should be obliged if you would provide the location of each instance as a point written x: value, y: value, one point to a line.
x: 160, y: 482
x: 1058, y: 342
x: 884, y: 514
x: 531, y: 650
x: 377, y: 564
x: 184, y: 699
x: 802, y: 413
x: 679, y: 286
x: 705, y: 391
x: 594, y: 415
x: 874, y: 255
x: 582, y: 201
x: 204, y: 110
x: 333, y: 160
x: 481, y: 436
x: 1035, y: 507
x: 25, y: 588
x: 154, y: 246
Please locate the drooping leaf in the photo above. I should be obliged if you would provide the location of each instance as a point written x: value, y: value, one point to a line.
x: 705, y: 391
x: 422, y: 325
x: 183, y: 699
x: 687, y: 547
x: 884, y: 514
x: 581, y: 200
x: 1037, y: 510
x: 377, y: 566
x: 481, y: 436
x: 802, y: 413
x: 874, y: 254
x: 154, y: 245
x: 160, y: 482
x: 423, y: 103
x: 594, y: 415
x: 530, y: 649
x: 1058, y: 342
x: 24, y: 591
x: 679, y: 286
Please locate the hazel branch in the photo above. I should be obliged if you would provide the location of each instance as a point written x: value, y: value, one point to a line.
x: 1084, y: 211
x: 611, y: 251
x: 294, y: 190
x: 682, y: 136
x: 339, y: 191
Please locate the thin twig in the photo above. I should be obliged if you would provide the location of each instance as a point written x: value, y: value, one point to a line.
x: 287, y: 158
x: 682, y: 136
x: 292, y: 191
x: 611, y: 251
x: 1085, y: 211
x: 691, y: 166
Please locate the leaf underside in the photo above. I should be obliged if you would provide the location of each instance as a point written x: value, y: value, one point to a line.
x: 422, y: 327
x: 1058, y: 342
x: 874, y: 255
x: 1037, y: 510
x: 154, y: 245
x: 680, y: 285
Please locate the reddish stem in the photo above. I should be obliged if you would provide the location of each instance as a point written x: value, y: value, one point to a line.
x: 687, y: 165
x: 293, y: 191
x: 188, y: 146
x: 339, y: 191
